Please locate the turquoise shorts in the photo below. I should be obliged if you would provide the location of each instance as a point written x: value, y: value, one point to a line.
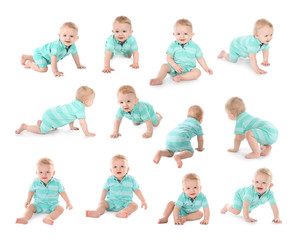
x: 116, y: 206
x: 265, y: 136
x: 238, y: 202
x: 233, y: 55
x: 173, y: 73
x: 38, y: 58
x: 44, y: 208
x: 184, y: 213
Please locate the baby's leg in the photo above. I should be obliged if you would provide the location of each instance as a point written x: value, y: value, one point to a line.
x: 35, y: 67
x: 167, y: 212
x: 159, y: 116
x: 132, y: 207
x: 230, y: 208
x: 182, y: 155
x: 103, y: 206
x: 162, y: 153
x: 266, y: 149
x: 194, y: 216
x: 24, y: 58
x: 161, y: 75
x: 253, y: 145
x: 225, y: 55
x: 28, y: 214
x: 192, y: 75
x: 30, y: 128
x: 53, y: 215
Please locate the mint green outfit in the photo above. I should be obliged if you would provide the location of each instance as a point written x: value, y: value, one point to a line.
x: 119, y: 48
x: 42, y: 55
x: 141, y: 112
x: 187, y: 205
x: 61, y: 115
x: 184, y: 55
x: 120, y: 193
x: 179, y: 139
x: 242, y: 46
x: 250, y: 195
x: 46, y: 196
x: 264, y: 132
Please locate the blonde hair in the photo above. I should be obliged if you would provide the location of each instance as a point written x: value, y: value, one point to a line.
x: 45, y: 161
x: 265, y: 171
x: 83, y: 93
x: 195, y: 111
x: 261, y: 23
x: 183, y: 22
x: 123, y: 19
x: 191, y: 176
x: 126, y: 89
x: 235, y: 105
x: 120, y: 157
x: 70, y: 25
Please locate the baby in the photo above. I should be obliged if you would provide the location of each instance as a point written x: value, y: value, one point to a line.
x: 255, y: 130
x: 249, y: 198
x: 249, y: 46
x: 51, y: 53
x: 135, y: 110
x: 45, y: 190
x: 121, y: 43
x: 66, y: 114
x: 182, y: 55
x: 186, y: 208
x: 178, y: 140
x: 119, y: 190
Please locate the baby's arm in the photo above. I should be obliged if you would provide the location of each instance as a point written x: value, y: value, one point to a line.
x: 29, y: 198
x: 107, y: 68
x: 200, y: 144
x: 204, y: 65
x: 72, y: 126
x: 246, y: 212
x: 77, y: 61
x: 54, y: 66
x: 103, y: 195
x: 116, y: 126
x: 265, y: 58
x: 140, y: 196
x: 135, y: 64
x: 276, y: 214
x: 83, y: 125
x: 176, y: 216
x: 252, y: 57
x: 67, y: 200
x: 149, y: 127
x: 172, y: 63
x: 206, y: 216
x: 237, y: 142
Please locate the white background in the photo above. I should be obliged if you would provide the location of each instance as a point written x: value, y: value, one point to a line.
x: 82, y: 163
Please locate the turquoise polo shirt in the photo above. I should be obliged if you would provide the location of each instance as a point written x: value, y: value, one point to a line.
x: 61, y: 115
x: 119, y: 48
x: 187, y: 205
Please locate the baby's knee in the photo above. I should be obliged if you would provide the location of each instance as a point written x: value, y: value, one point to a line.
x: 171, y: 203
x: 59, y: 209
x: 248, y: 134
x: 44, y: 69
x: 134, y: 205
x: 197, y: 72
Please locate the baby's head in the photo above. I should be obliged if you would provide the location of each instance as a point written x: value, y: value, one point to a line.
x: 126, y: 97
x: 119, y: 166
x: 68, y: 33
x: 183, y: 31
x: 263, y: 30
x: 262, y: 180
x: 45, y: 170
x: 233, y: 107
x: 122, y: 28
x: 195, y: 112
x: 85, y: 95
x: 191, y: 185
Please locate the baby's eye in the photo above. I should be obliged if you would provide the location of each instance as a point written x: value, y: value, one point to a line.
x: 47, y: 172
x: 256, y: 181
x: 195, y: 187
x: 40, y: 172
x: 71, y: 36
x: 128, y: 101
x: 264, y: 183
x: 188, y: 188
x: 121, y: 102
x: 64, y: 35
x: 117, y: 31
x: 186, y: 33
x: 178, y: 34
x: 122, y: 166
x: 124, y: 31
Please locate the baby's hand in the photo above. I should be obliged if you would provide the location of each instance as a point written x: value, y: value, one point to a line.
x: 249, y: 219
x: 147, y: 135
x: 134, y: 65
x: 58, y: 74
x: 200, y: 149
x: 115, y: 135
x: 74, y: 128
x: 80, y: 66
x: 265, y: 63
x: 232, y: 150
x: 90, y: 134
x: 107, y: 70
x: 26, y: 204
x: 143, y: 204
x: 209, y: 71
x: 180, y: 221
x: 260, y: 71
x: 178, y: 68
x: 277, y: 220
x: 205, y: 221
x: 69, y: 206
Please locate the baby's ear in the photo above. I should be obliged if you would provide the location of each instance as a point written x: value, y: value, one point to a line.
x: 128, y: 169
x: 77, y: 38
x: 271, y: 185
x: 53, y: 173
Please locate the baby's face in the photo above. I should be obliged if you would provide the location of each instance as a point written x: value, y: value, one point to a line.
x: 264, y: 34
x: 119, y: 168
x: 183, y: 34
x: 89, y: 101
x: 261, y: 183
x: 122, y: 31
x: 191, y: 188
x: 127, y: 101
x: 68, y: 36
x: 45, y: 173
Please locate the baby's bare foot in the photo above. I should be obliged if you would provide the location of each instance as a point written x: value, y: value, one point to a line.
x: 158, y: 157
x: 159, y: 115
x: 163, y: 220
x: 252, y: 155
x: 23, y: 59
x: 183, y: 220
x: 178, y: 161
x: 22, y: 220
x: 122, y: 214
x: 93, y: 214
x: 156, y: 81
x: 221, y: 54
x: 266, y: 150
x: 224, y: 209
x: 39, y: 122
x: 28, y: 64
x: 48, y: 220
x: 177, y: 78
x: 21, y: 128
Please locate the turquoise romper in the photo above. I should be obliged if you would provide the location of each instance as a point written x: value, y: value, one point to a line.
x: 264, y: 132
x: 59, y: 116
x: 188, y: 206
x: 242, y: 46
x: 120, y: 193
x: 252, y: 196
x: 42, y: 55
x: 179, y: 139
x: 141, y: 112
x: 184, y: 55
x: 46, y: 196
x: 119, y: 48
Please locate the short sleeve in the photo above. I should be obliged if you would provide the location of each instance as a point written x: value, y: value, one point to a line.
x: 198, y: 53
x: 60, y: 186
x: 180, y: 201
x: 32, y: 187
x: 205, y: 202
x: 73, y: 50
x: 144, y: 112
x: 271, y: 198
x: 110, y: 45
x: 135, y: 185
x: 252, y: 46
x: 266, y: 47
x: 55, y: 49
x: 133, y: 43
x: 248, y: 195
x: 107, y: 185
x: 239, y: 128
x: 199, y: 131
x: 170, y: 49
x: 80, y: 114
x: 119, y: 114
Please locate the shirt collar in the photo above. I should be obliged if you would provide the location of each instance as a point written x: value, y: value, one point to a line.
x: 81, y: 104
x: 40, y: 181
x: 65, y: 47
x: 186, y: 44
x: 241, y: 115
x: 119, y: 42
x: 115, y: 178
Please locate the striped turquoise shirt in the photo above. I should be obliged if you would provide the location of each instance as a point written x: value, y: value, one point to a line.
x: 119, y: 48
